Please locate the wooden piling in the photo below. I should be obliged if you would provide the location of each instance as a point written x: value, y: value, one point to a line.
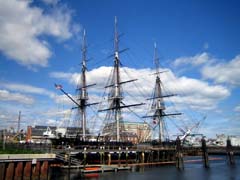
x: 85, y: 156
x: 142, y: 157
x: 102, y: 152
x: 179, y: 155
x: 100, y: 155
x: 179, y: 161
x: 137, y: 160
x: 230, y: 153
x: 119, y: 156
x: 168, y: 156
x: 152, y: 153
x: 205, y: 154
x: 163, y: 156
x: 158, y: 156
x: 109, y: 159
x: 103, y: 158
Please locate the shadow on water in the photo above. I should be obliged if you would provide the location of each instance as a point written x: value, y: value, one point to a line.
x: 219, y: 170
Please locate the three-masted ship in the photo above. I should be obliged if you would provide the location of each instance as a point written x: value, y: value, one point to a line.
x: 114, y: 127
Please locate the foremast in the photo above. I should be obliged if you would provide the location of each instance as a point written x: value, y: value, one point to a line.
x: 83, y: 94
x: 81, y: 102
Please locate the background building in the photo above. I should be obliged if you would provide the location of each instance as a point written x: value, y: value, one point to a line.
x: 134, y: 132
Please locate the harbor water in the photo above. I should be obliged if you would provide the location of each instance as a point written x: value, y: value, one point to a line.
x: 219, y: 170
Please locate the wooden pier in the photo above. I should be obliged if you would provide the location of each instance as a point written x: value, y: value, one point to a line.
x: 95, y: 159
x: 101, y: 159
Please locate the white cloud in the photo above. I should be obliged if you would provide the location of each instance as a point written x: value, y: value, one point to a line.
x: 228, y: 72
x: 194, y: 60
x: 22, y: 25
x: 16, y: 97
x: 195, y: 93
x: 98, y: 76
x: 26, y: 89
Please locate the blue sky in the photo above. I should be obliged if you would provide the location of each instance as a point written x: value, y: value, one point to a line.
x: 198, y: 43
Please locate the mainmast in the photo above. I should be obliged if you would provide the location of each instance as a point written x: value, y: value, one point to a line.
x: 158, y: 103
x: 83, y: 97
x: 115, y: 96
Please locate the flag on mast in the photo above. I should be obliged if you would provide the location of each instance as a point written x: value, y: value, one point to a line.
x: 58, y: 86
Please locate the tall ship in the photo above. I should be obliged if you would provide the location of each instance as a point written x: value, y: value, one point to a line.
x: 115, y: 115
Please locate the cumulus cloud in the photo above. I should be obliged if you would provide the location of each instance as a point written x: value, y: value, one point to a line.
x: 227, y: 73
x: 98, y: 76
x: 224, y: 72
x: 22, y: 25
x: 24, y: 88
x: 196, y: 60
x: 15, y: 97
x: 28, y: 89
x: 196, y: 93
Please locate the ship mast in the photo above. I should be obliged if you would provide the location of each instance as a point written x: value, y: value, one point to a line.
x: 117, y: 93
x: 83, y: 89
x: 115, y: 98
x: 158, y: 102
x: 83, y: 95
